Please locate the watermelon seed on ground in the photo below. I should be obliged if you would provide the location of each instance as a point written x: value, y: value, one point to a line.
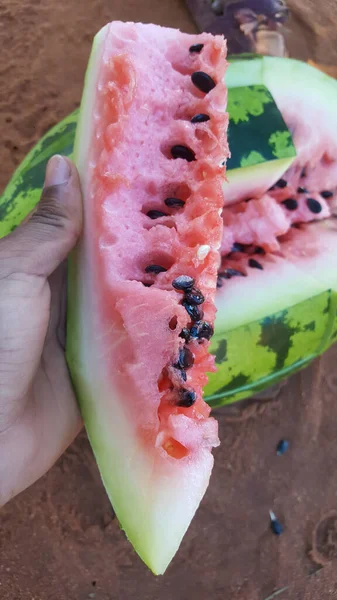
x: 203, y: 81
x: 180, y: 151
x: 314, y: 206
x: 282, y: 447
x: 183, y: 283
x: 174, y: 202
x: 326, y: 194
x: 200, y: 118
x: 275, y: 525
x: 290, y: 203
x: 194, y: 312
x: 155, y: 269
x: 187, y: 397
x: 156, y: 214
x: 254, y: 264
x: 196, y: 48
x: 194, y: 296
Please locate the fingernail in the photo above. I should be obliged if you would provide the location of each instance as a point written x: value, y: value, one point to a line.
x: 57, y: 172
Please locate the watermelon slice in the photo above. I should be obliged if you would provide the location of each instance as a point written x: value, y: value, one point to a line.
x: 277, y: 281
x: 150, y: 146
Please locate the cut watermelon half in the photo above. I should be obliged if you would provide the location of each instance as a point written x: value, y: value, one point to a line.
x: 150, y: 145
x: 271, y: 228
x: 277, y: 281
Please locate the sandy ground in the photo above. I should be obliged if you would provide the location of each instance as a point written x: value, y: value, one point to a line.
x: 59, y: 540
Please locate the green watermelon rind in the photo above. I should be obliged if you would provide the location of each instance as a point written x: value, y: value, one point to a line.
x: 253, y: 110
x: 24, y: 188
x: 307, y: 326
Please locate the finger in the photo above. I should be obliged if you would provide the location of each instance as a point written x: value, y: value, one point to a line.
x: 40, y: 245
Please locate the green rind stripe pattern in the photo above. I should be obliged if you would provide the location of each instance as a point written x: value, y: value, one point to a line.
x: 257, y: 132
x: 24, y: 189
x: 254, y: 356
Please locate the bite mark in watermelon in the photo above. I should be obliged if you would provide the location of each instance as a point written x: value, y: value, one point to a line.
x: 139, y: 378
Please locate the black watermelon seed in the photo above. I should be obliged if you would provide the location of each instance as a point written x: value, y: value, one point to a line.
x: 185, y: 334
x: 196, y: 47
x: 314, y: 206
x: 185, y: 360
x: 326, y: 194
x: 259, y: 250
x: 202, y: 330
x: 205, y: 331
x: 302, y: 190
x: 183, y: 283
x: 229, y: 273
x: 194, y: 331
x: 175, y: 202
x: 203, y: 81
x: 254, y: 264
x: 194, y: 311
x: 303, y: 173
x: 219, y: 283
x: 290, y: 203
x: 187, y: 397
x: 281, y: 183
x: 155, y: 269
x: 282, y: 447
x: 275, y: 525
x: 179, y: 151
x: 200, y: 118
x: 147, y: 284
x: 194, y: 296
x: 237, y: 247
x: 156, y: 214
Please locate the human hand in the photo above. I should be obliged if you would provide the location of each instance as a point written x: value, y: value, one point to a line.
x: 39, y: 417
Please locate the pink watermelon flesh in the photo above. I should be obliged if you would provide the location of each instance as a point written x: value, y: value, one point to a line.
x: 307, y: 192
x: 261, y: 225
x: 139, y: 382
x: 305, y: 266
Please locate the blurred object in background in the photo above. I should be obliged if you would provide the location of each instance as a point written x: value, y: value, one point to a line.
x: 253, y: 26
x: 328, y: 69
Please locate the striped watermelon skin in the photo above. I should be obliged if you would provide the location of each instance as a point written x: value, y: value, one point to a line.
x: 249, y: 358
x: 24, y: 189
x: 257, y: 355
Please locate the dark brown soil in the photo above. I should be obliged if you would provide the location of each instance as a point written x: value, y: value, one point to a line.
x: 59, y: 540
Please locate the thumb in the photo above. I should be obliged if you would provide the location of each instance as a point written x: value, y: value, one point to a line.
x: 38, y: 246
